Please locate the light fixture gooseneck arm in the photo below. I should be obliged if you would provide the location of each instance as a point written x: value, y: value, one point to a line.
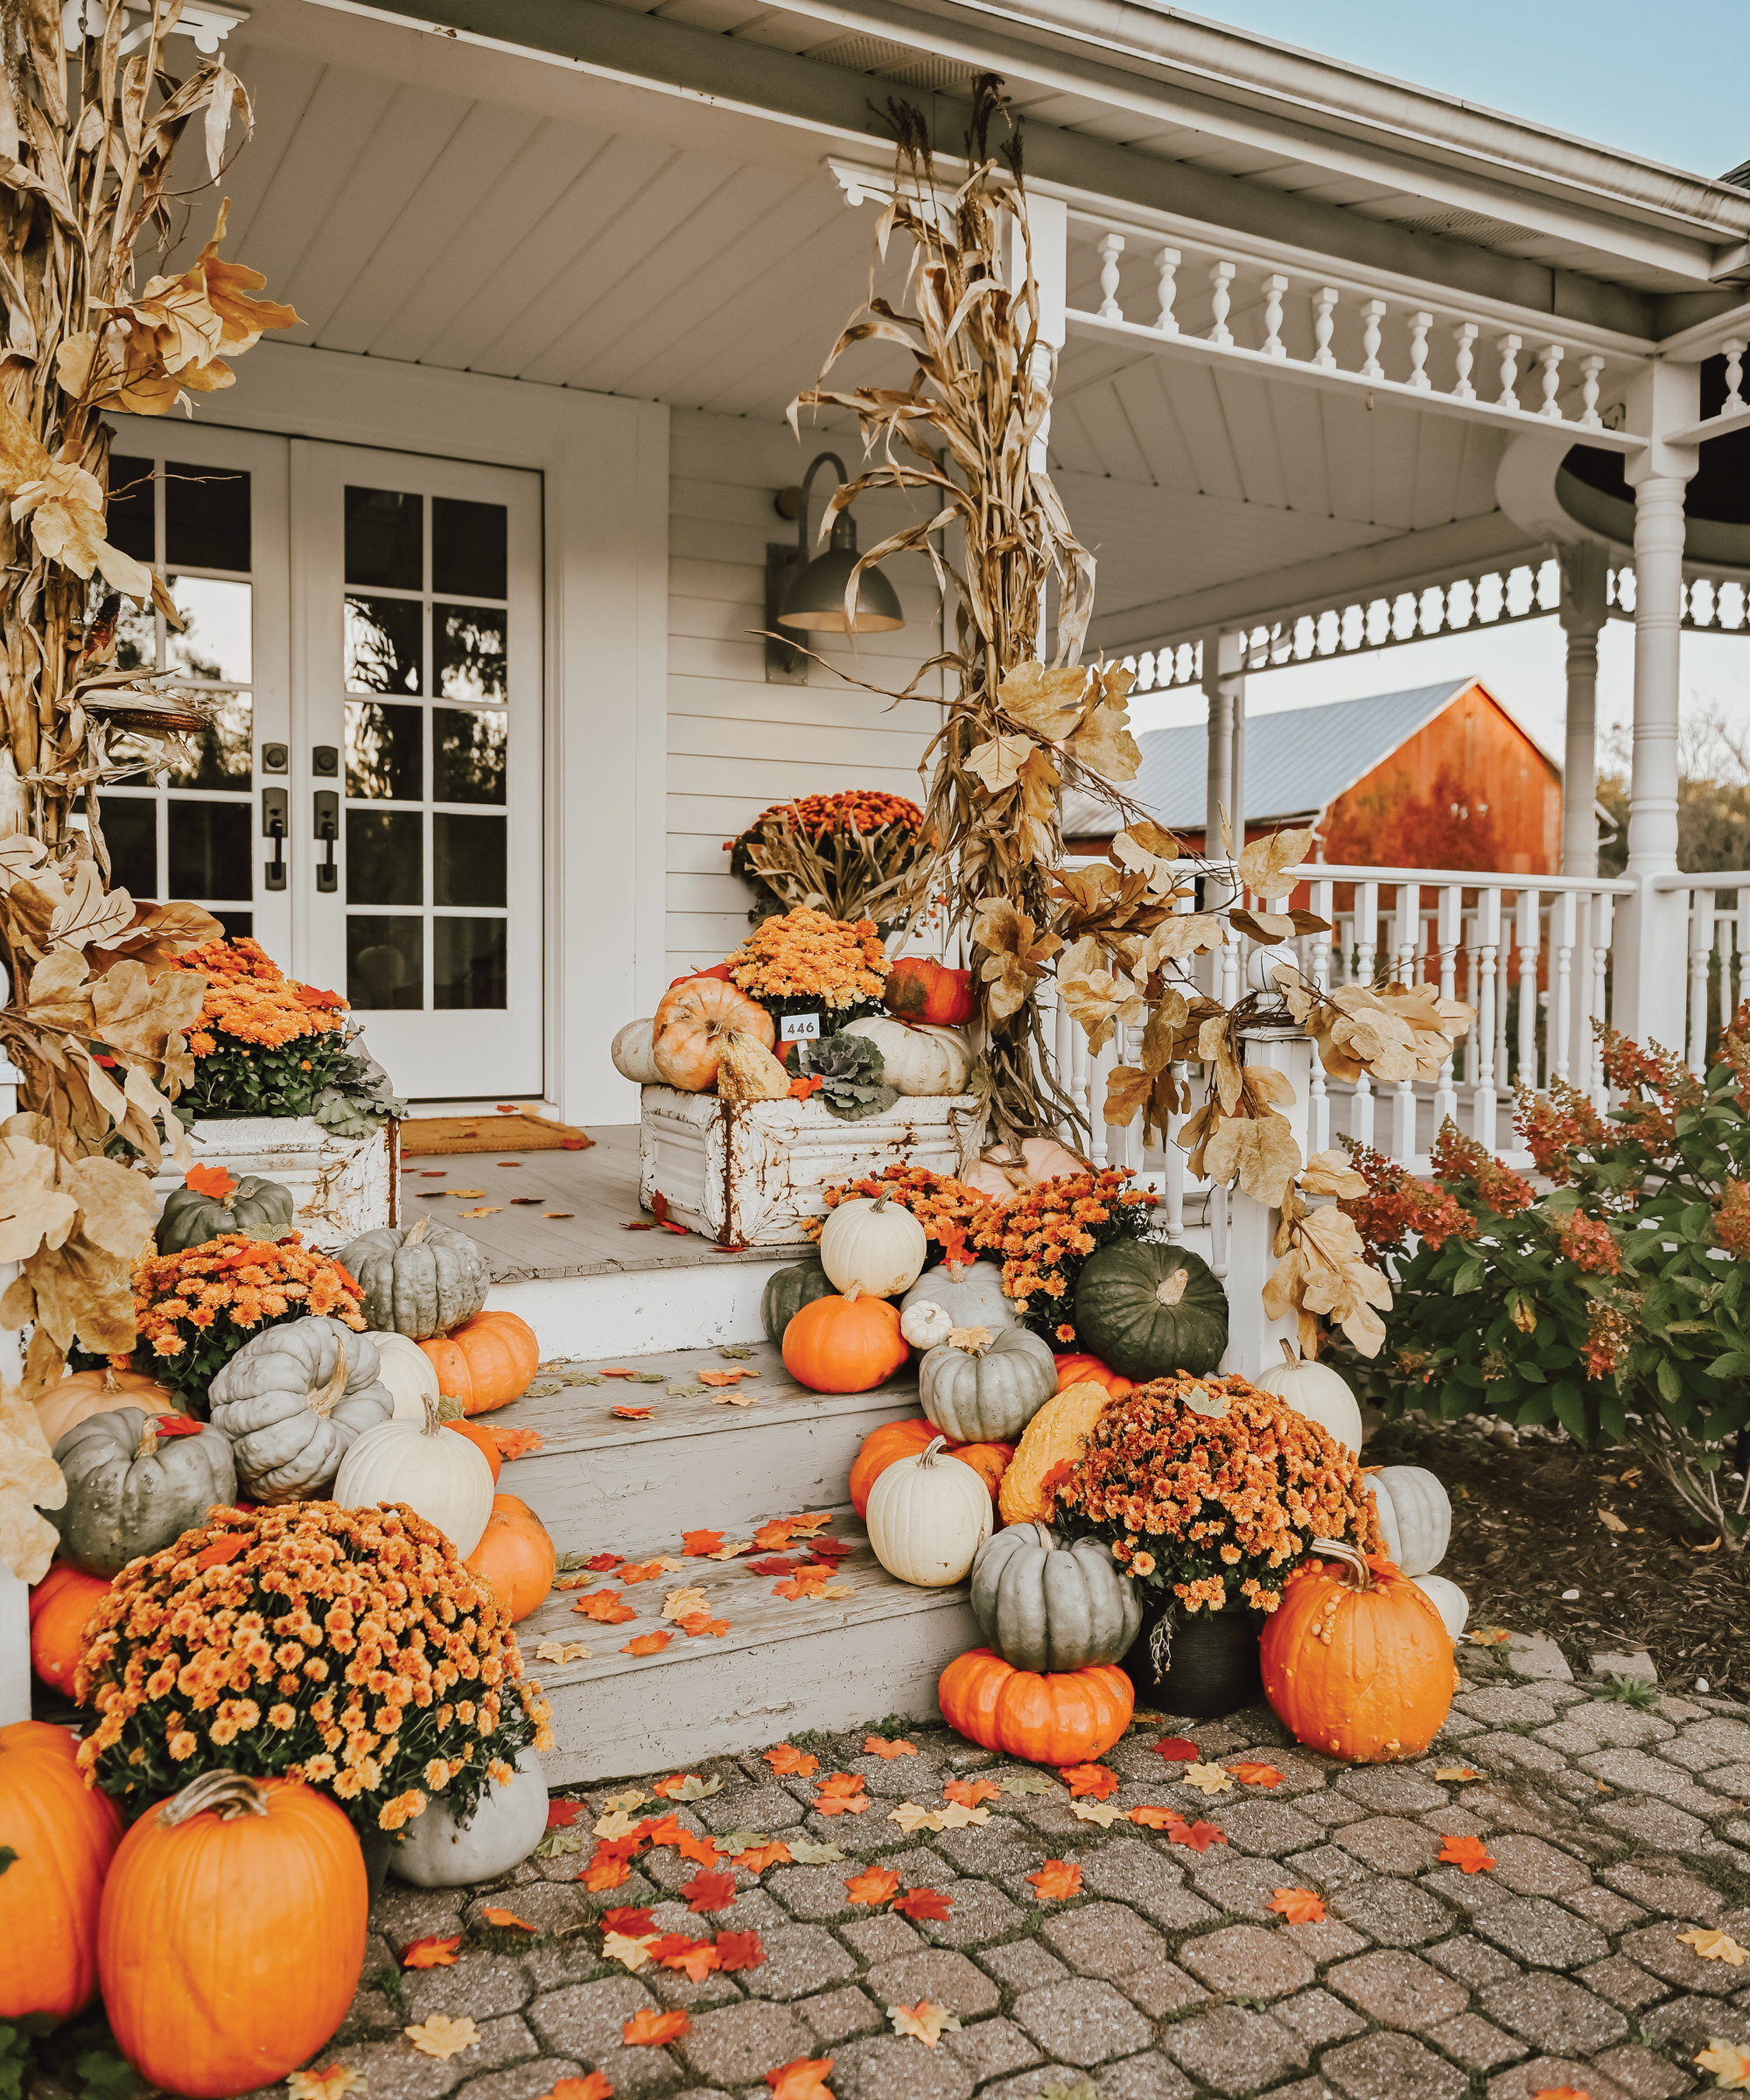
x: 819, y: 460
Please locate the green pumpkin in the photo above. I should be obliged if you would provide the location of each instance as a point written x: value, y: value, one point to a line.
x: 985, y: 1389
x: 293, y: 1401
x: 130, y: 1490
x: 786, y: 1291
x: 1149, y: 1309
x: 418, y: 1282
x: 262, y: 1209
x: 1046, y: 1606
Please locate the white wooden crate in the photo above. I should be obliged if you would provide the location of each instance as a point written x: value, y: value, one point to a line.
x: 748, y: 1175
x: 341, y: 1187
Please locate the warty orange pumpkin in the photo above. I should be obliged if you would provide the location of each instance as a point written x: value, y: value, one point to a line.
x: 60, y: 1604
x: 1355, y: 1659
x: 918, y: 988
x: 231, y: 1934
x: 1065, y: 1718
x: 1089, y: 1371
x: 516, y: 1556
x: 845, y: 1345
x: 486, y: 1362
x: 692, y: 1024
x: 64, y: 1834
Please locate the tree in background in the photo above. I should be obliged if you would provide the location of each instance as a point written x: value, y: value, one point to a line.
x: 1714, y: 794
x: 1396, y: 828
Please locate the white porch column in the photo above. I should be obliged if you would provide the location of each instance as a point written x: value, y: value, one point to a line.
x: 1651, y: 950
x: 1253, y: 1340
x: 1224, y: 683
x: 1583, y: 612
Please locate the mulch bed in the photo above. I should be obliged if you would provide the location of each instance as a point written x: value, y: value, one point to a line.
x: 1526, y: 1526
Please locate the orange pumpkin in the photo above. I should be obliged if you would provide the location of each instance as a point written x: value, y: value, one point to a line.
x: 919, y: 989
x: 988, y: 1461
x: 487, y: 1362
x: 1067, y: 1718
x: 845, y: 1345
x: 1355, y: 1659
x: 1089, y: 1371
x: 881, y: 1447
x: 232, y: 1932
x: 515, y: 1556
x: 687, y: 1036
x: 60, y: 1604
x: 69, y: 1401
x: 64, y: 1834
x: 483, y: 1440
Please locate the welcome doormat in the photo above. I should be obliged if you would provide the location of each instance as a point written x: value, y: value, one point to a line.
x: 423, y: 1136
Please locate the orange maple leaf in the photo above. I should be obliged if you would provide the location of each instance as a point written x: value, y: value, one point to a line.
x: 1298, y: 1905
x: 646, y: 1644
x: 708, y: 1891
x: 696, y: 1544
x: 515, y: 1443
x: 664, y: 1788
x: 208, y: 1181
x: 595, y: 2087
x: 653, y: 2029
x: 1088, y: 1778
x: 808, y: 1525
x: 785, y: 1758
x: 1199, y: 1836
x: 704, y: 1850
x: 1154, y: 1818
x: 758, y: 1857
x: 641, y: 1572
x: 696, y: 1623
x: 1255, y: 1774
x: 695, y: 1959
x: 507, y: 1921
x: 430, y: 1953
x: 1466, y: 1853
x: 608, y: 1870
x: 740, y: 1950
x: 873, y: 1885
x: 724, y: 1377
x: 1056, y: 1879
x: 809, y: 1582
x: 633, y: 1414
x: 923, y: 1903
x: 663, y: 1830
x: 878, y: 1745
x: 773, y: 1535
x: 969, y: 1792
x: 606, y: 1607
x: 802, y: 2080
x: 616, y: 1370
x: 841, y: 1795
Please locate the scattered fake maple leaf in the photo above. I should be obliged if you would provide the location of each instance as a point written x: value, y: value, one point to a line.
x: 955, y: 1816
x: 708, y: 1891
x: 696, y: 1960
x: 332, y: 2083
x: 1176, y: 1750
x: 1488, y: 1636
x: 969, y: 1792
x: 807, y: 1854
x: 442, y: 2037
x: 562, y: 1814
x: 1153, y: 1817
x: 805, y: 1585
x: 1297, y: 1906
x: 683, y: 1604
x: 647, y: 1644
x: 564, y: 1651
x: 874, y: 1885
x: 911, y: 1817
x: 616, y: 1370
x: 923, y: 1903
x: 1711, y: 1944
x: 1207, y: 1779
x: 1466, y: 1853
x: 806, y: 1527
x: 1250, y: 1775
x: 739, y: 1950
x: 1456, y: 1772
x: 630, y: 1949
x: 1199, y: 1836
x: 430, y: 1953
x: 1088, y: 1778
x: 697, y: 1623
x: 599, y: 1564
x: 649, y: 2029
x: 832, y: 1549
x: 506, y: 1920
x: 724, y: 1377
x: 516, y: 1443
x: 784, y: 1760
x: 208, y: 1181
x: 704, y: 1850
x: 879, y: 1746
x: 635, y: 1572
x: 773, y: 1535
x: 841, y: 1795
x: 758, y: 1857
x: 1105, y: 1813
x: 687, y: 1786
x: 1729, y: 2063
x: 633, y: 1414
x: 926, y: 2021
x: 1026, y: 1783
x: 608, y: 1870
x: 1055, y: 1881
x: 804, y: 2079
x: 699, y: 1545
x: 625, y: 1918
x: 595, y: 2087
x: 604, y: 1607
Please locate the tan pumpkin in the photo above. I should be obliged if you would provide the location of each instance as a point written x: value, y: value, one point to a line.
x: 1044, y: 1160
x: 691, y: 1024
x: 1058, y: 1431
x: 70, y: 1400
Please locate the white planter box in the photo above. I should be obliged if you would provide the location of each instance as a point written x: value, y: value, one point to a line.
x: 748, y: 1176
x: 341, y: 1187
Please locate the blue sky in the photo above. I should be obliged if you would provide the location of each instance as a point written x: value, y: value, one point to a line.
x: 1665, y: 82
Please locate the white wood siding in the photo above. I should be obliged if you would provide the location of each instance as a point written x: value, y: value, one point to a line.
x: 736, y: 745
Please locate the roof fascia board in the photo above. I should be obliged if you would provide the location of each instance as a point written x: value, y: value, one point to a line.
x: 1703, y: 338
x: 650, y: 52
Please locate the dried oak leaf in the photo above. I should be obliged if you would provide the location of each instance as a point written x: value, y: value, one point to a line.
x: 1297, y: 1906
x: 1088, y: 1778
x: 1709, y: 1941
x: 650, y: 2029
x: 784, y: 1759
x: 921, y: 1903
x: 879, y: 1746
x: 442, y: 2037
x: 708, y: 1891
x: 926, y: 2022
x: 431, y: 1952
x: 1250, y: 1775
x: 1056, y: 1881
x: 1466, y: 1853
x: 873, y: 1885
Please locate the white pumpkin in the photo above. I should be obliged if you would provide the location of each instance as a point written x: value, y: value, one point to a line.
x: 1315, y: 1390
x: 928, y: 1517
x: 443, y: 1478
x: 971, y: 1292
x: 408, y: 1372
x: 1415, y: 1517
x: 508, y: 1822
x: 919, y: 1059
x: 923, y: 1322
x: 1448, y: 1600
x: 873, y: 1243
x: 633, y: 1056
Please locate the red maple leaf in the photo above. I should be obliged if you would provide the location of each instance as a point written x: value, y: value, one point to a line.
x: 625, y: 1918
x: 832, y: 1549
x: 776, y: 1565
x: 599, y: 1562
x: 923, y: 1903
x: 739, y: 1950
x: 1088, y: 1778
x: 560, y: 1815
x: 1177, y: 1750
x: 696, y: 1960
x: 1199, y: 1836
x: 708, y: 1891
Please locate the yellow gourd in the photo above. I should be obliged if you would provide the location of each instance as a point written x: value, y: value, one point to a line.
x: 1058, y: 1431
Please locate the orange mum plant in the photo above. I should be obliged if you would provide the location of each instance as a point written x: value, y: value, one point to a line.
x: 807, y: 962
x: 1044, y: 1234
x: 346, y: 1648
x: 945, y: 1208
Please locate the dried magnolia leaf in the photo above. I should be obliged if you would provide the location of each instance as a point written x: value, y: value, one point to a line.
x: 29, y: 1482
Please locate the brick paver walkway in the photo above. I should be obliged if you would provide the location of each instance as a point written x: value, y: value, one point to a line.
x: 1612, y: 1829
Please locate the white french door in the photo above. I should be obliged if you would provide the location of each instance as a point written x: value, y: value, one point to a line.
x: 416, y: 664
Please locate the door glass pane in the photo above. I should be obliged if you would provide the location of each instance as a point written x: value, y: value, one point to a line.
x: 467, y: 754
x: 215, y: 639
x: 131, y: 526
x: 385, y: 645
x: 385, y: 961
x: 383, y: 856
x: 468, y: 548
x: 385, y: 539
x: 467, y: 859
x: 131, y: 831
x: 469, y: 640
x: 206, y: 517
x: 470, y: 963
x: 209, y: 849
x: 224, y: 747
x: 383, y: 756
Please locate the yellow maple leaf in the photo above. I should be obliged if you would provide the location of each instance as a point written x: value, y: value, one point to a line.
x: 629, y: 1952
x: 681, y: 1604
x: 926, y: 2021
x: 564, y: 1651
x: 616, y: 1824
x: 1729, y: 2063
x: 1102, y: 1812
x: 910, y: 1817
x: 955, y: 1816
x: 1456, y: 1772
x: 628, y: 1797
x: 1712, y: 1945
x: 442, y: 2037
x: 1207, y: 1779
x: 330, y: 2084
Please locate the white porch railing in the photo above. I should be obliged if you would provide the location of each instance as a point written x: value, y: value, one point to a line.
x: 1719, y: 980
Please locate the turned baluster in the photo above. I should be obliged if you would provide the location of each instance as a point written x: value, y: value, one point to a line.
x: 1464, y: 355
x: 1509, y: 347
x: 1589, y: 369
x: 1221, y: 275
x: 1482, y: 1033
x: 1734, y: 404
x: 1549, y: 359
x: 1273, y: 288
x: 1372, y: 314
x: 1112, y: 246
x: 1324, y: 310
x: 1167, y: 263
x: 1562, y: 915
x: 1367, y: 938
x: 1420, y: 325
